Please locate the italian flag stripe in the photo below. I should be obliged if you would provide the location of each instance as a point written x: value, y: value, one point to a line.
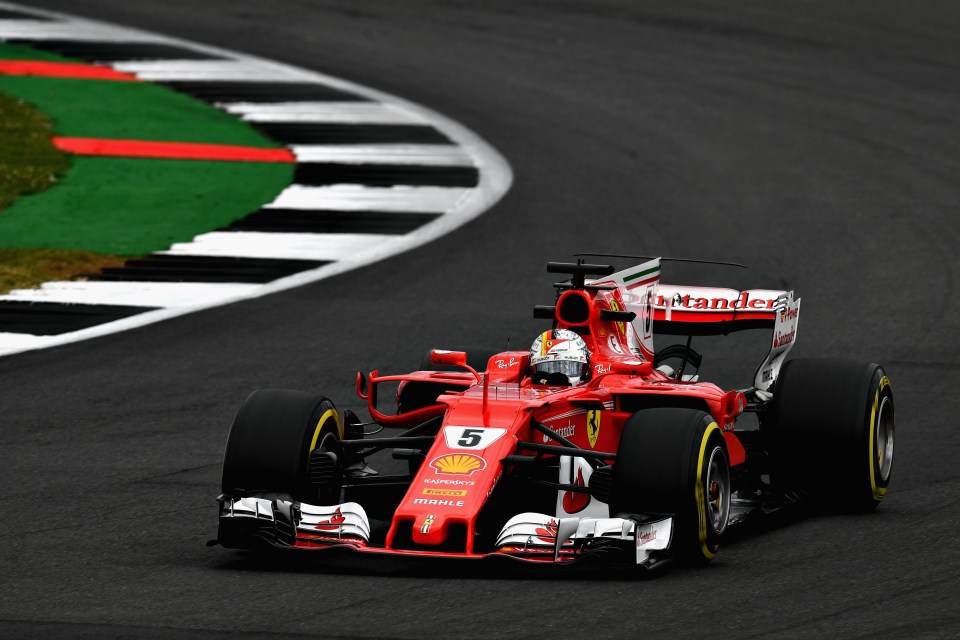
x: 640, y: 274
x: 634, y: 285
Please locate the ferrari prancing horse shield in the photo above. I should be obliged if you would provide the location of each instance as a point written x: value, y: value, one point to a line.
x: 593, y: 426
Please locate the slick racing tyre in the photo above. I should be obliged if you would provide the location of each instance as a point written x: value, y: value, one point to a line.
x: 832, y: 431
x: 284, y: 442
x: 675, y: 461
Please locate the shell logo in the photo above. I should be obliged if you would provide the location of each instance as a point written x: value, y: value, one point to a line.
x: 458, y: 464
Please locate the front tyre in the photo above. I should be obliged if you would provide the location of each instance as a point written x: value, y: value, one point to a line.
x: 675, y: 461
x: 284, y: 442
x: 832, y: 431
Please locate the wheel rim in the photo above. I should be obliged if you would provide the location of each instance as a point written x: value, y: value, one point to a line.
x: 718, y: 490
x: 883, y: 437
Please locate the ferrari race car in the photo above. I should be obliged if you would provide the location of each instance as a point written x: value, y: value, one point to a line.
x: 593, y: 444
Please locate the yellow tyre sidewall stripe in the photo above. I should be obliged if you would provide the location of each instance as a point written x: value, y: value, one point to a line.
x: 329, y: 414
x: 700, y: 495
x: 878, y: 491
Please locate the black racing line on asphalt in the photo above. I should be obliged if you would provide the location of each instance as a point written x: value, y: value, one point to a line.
x: 812, y: 140
x: 235, y: 91
x: 160, y: 267
x: 385, y: 175
x: 300, y: 221
x: 116, y: 51
x: 313, y: 133
x: 52, y: 319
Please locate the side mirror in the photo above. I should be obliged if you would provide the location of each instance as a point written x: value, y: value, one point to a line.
x: 362, y: 385
x: 632, y: 367
x: 452, y: 358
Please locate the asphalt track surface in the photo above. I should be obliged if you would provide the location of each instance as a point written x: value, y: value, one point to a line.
x: 816, y: 141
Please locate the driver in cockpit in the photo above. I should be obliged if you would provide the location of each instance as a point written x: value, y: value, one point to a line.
x: 559, y: 357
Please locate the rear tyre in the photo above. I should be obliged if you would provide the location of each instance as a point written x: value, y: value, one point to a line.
x: 279, y: 439
x: 832, y: 431
x: 675, y: 461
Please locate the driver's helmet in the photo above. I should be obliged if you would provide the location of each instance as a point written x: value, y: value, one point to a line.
x: 559, y: 351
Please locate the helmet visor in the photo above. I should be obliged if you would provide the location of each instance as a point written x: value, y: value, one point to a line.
x: 570, y: 368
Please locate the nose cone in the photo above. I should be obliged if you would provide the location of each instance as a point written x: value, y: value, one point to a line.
x: 452, y: 487
x: 432, y: 529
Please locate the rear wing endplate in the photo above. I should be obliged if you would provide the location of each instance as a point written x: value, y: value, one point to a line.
x: 682, y: 310
x: 685, y: 310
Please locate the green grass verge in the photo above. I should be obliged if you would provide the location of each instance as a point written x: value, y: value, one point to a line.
x: 26, y: 268
x: 123, y: 110
x: 129, y: 110
x: 20, y: 52
x: 128, y: 207
x: 29, y: 163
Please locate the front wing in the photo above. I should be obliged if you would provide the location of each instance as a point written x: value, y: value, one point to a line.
x: 256, y: 522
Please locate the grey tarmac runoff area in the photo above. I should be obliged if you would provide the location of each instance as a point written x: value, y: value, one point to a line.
x: 818, y: 142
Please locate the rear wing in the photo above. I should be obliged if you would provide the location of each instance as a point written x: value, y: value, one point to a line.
x: 682, y: 310
x: 706, y: 311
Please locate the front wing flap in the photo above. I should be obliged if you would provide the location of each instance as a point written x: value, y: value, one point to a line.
x: 538, y: 534
x: 249, y: 521
x: 255, y: 522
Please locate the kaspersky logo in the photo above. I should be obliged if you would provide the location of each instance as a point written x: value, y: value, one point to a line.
x: 458, y: 464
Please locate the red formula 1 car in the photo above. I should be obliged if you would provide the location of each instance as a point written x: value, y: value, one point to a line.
x: 591, y: 444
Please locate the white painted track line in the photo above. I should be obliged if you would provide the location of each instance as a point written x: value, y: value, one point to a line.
x: 134, y: 294
x: 350, y: 197
x: 208, y: 70
x: 70, y: 30
x: 406, y: 154
x: 322, y: 112
x: 20, y: 342
x: 292, y: 246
